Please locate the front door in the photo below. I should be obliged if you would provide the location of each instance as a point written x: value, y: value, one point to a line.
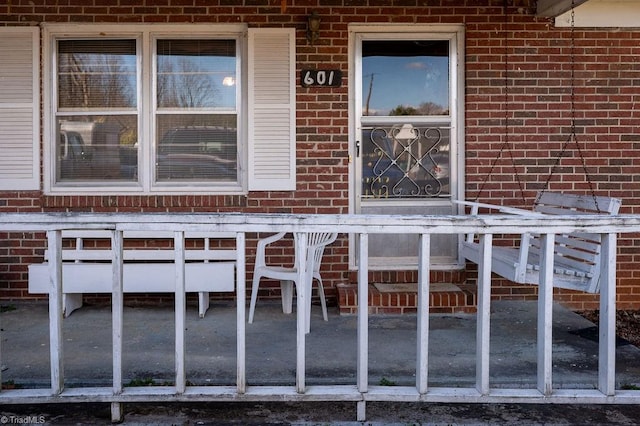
x: 406, y: 135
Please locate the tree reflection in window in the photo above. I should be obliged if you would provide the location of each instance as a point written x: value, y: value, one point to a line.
x: 97, y: 74
x: 405, y: 77
x: 196, y: 74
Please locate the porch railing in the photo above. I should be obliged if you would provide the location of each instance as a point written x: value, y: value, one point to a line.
x: 360, y: 226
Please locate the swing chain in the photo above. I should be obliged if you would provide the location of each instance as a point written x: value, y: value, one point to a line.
x: 572, y: 55
x: 573, y: 135
x: 506, y: 145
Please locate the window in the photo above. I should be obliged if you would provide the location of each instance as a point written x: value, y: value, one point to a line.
x: 155, y: 109
x: 96, y: 111
x: 196, y: 120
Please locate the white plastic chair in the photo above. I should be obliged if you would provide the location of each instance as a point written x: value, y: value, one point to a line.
x: 316, y: 242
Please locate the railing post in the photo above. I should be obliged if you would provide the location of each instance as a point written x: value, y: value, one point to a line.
x: 241, y: 300
x: 483, y: 316
x: 363, y: 323
x: 54, y: 242
x: 180, y: 311
x: 607, y: 321
x: 545, y: 315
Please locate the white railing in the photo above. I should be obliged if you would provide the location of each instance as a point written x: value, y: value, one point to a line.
x: 360, y: 226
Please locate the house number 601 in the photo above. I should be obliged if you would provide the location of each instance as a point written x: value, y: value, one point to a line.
x: 321, y: 78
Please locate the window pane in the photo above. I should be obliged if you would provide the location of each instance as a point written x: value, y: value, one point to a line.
x: 199, y: 148
x: 97, y: 148
x: 405, y: 77
x: 196, y: 74
x: 96, y: 74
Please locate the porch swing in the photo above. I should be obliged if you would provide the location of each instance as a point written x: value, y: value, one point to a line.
x: 576, y: 263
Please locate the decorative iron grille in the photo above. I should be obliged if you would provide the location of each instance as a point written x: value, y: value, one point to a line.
x: 403, y: 161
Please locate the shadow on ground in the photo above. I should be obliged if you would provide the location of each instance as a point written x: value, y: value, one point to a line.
x: 327, y: 413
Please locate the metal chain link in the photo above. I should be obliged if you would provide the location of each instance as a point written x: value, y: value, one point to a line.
x: 573, y: 135
x: 506, y: 144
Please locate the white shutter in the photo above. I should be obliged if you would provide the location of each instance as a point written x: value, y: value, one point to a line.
x: 19, y: 108
x: 272, y: 109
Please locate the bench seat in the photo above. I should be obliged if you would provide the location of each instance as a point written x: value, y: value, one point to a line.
x: 145, y: 269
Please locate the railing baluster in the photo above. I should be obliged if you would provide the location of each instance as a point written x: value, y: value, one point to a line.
x: 241, y: 347
x: 483, y: 326
x: 180, y: 308
x: 54, y: 241
x: 607, y: 334
x: 301, y: 309
x: 424, y: 266
x: 363, y: 322
x: 117, y: 318
x: 117, y: 308
x: 545, y: 315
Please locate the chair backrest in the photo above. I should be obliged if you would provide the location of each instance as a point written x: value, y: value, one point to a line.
x: 317, y: 241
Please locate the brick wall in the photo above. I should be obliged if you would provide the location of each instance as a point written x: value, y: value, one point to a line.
x: 535, y: 96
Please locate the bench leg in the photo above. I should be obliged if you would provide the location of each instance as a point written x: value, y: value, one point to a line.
x: 203, y: 303
x: 71, y: 302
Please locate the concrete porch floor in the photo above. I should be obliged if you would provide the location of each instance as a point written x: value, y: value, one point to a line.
x: 331, y: 347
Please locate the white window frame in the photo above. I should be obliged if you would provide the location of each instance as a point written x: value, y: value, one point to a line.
x: 145, y: 35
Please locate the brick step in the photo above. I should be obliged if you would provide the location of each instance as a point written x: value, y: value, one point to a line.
x: 403, y: 298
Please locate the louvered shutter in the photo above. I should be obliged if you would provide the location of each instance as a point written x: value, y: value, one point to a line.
x: 272, y: 110
x: 19, y: 109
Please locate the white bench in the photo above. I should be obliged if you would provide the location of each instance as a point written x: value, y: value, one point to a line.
x: 576, y: 255
x: 148, y: 265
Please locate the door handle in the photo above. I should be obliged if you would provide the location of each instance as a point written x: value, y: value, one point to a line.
x: 357, y: 148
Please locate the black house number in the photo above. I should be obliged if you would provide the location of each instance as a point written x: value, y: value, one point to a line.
x: 310, y: 78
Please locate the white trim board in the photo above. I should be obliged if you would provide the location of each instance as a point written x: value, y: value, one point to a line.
x: 603, y: 14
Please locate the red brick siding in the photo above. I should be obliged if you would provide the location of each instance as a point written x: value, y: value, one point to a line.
x: 607, y: 88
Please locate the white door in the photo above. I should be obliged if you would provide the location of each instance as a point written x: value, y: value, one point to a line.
x: 406, y: 135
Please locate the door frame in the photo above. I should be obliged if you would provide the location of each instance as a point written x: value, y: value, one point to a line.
x: 453, y: 33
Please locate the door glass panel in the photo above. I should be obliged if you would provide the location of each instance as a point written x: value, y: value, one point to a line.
x: 403, y: 248
x: 405, y: 161
x: 405, y: 77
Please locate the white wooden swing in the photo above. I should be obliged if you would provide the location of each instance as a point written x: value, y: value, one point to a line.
x: 576, y: 263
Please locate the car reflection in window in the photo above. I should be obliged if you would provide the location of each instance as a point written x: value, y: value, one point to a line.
x: 74, y: 156
x: 198, y: 154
